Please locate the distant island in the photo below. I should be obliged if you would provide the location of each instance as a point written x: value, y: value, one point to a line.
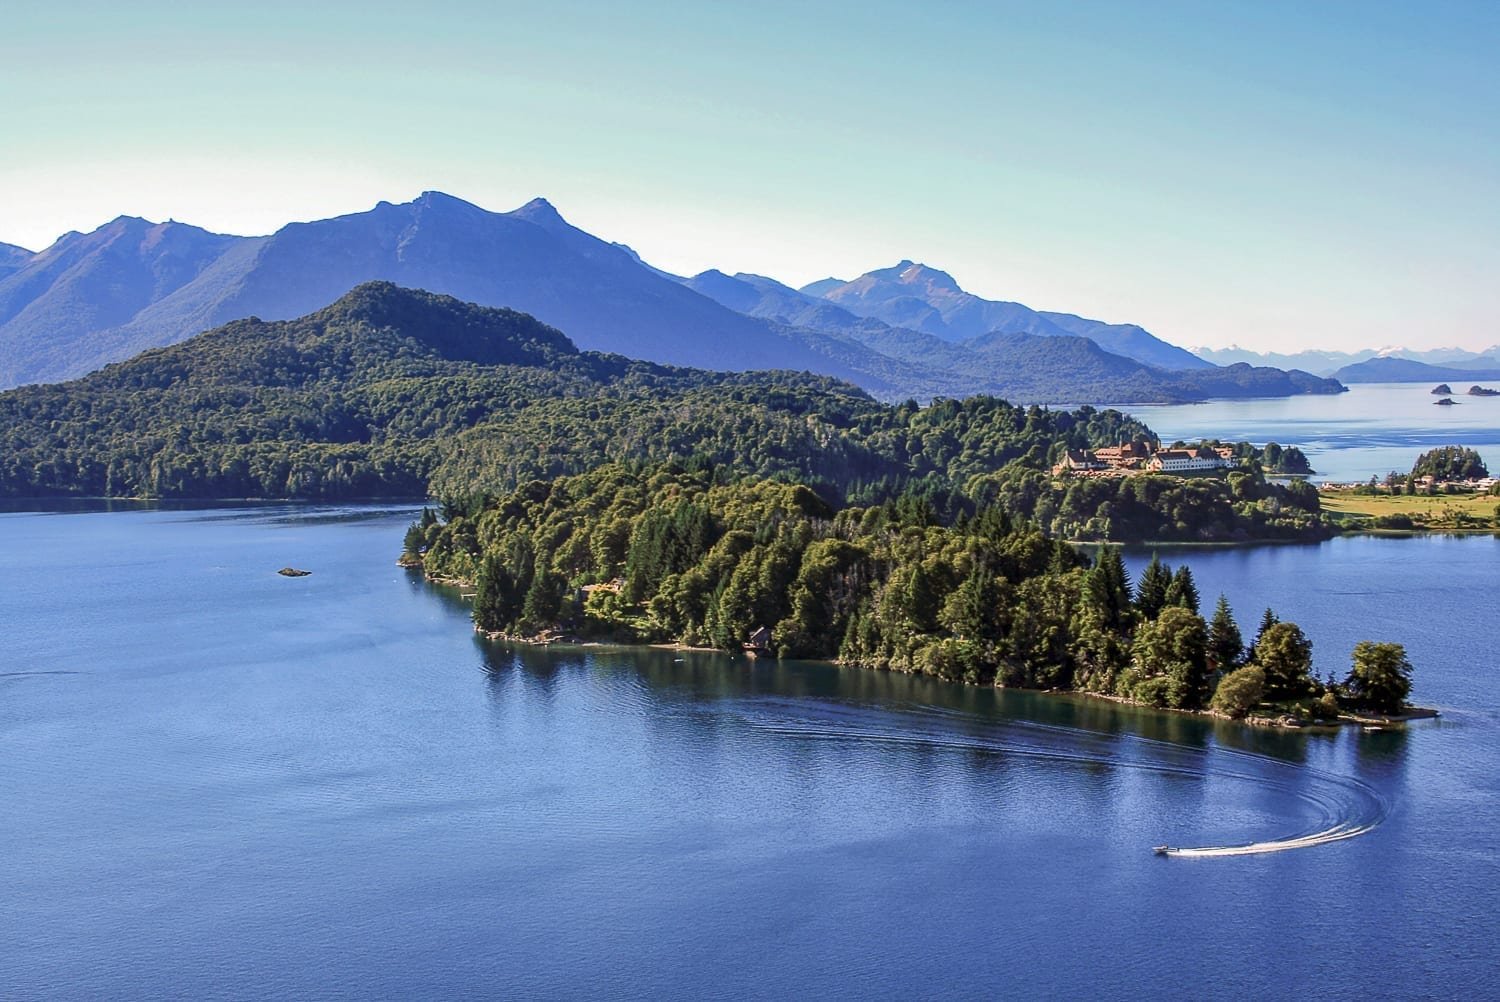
x: 1442, y: 390
x: 1482, y: 391
x: 1445, y: 402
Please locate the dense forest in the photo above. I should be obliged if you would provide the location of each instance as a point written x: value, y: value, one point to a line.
x: 396, y: 393
x: 391, y: 392
x: 697, y: 554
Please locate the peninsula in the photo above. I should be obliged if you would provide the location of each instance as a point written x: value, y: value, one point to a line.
x: 694, y: 554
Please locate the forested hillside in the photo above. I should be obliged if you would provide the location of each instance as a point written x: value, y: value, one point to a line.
x: 390, y: 391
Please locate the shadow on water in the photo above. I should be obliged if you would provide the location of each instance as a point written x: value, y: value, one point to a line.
x: 932, y: 724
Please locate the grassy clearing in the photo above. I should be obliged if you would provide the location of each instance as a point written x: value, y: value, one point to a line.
x: 1442, y: 511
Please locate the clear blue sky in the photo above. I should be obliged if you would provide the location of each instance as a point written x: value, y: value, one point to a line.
x: 1280, y: 175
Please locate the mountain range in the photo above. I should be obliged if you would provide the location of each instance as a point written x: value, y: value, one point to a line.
x: 921, y: 298
x: 905, y: 331
x: 1385, y: 369
x: 1327, y: 363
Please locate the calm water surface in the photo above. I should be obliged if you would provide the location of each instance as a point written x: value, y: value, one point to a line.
x: 221, y: 782
x: 1369, y: 431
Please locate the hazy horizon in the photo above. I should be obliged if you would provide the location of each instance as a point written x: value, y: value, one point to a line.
x: 1259, y: 175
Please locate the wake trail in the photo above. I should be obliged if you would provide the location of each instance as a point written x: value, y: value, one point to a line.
x: 1343, y: 807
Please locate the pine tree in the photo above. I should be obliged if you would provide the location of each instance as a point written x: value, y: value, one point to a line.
x: 1226, y: 645
x: 1151, y: 593
x: 543, y: 601
x: 972, y: 611
x: 1107, y: 588
x: 495, y: 604
x: 1183, y: 591
x: 1268, y: 619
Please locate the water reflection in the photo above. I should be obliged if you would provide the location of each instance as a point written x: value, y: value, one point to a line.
x: 825, y: 733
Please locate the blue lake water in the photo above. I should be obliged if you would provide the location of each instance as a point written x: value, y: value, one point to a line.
x: 219, y: 782
x: 1369, y: 431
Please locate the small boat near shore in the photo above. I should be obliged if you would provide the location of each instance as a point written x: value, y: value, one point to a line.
x: 1164, y: 850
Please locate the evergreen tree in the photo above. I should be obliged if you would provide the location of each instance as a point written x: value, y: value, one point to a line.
x: 495, y: 603
x: 1225, y: 644
x: 920, y: 599
x: 972, y: 610
x: 1183, y: 591
x: 542, y: 603
x: 1268, y: 619
x: 1151, y: 594
x: 1107, y: 588
x: 1285, y: 654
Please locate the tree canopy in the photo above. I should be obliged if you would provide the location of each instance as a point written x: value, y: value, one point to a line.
x: 1380, y: 679
x: 703, y: 555
x: 1450, y: 462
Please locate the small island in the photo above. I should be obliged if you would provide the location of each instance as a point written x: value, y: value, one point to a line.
x: 1445, y: 402
x: 1442, y: 390
x: 293, y: 572
x: 1483, y: 391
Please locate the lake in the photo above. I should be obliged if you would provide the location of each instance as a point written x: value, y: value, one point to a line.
x: 1369, y: 431
x: 220, y: 782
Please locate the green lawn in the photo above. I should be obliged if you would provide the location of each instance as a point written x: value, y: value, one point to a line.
x: 1439, y: 511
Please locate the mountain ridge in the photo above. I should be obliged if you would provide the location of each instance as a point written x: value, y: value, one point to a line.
x: 927, y: 299
x: 132, y: 285
x: 13, y: 258
x: 530, y: 259
x: 1386, y: 369
x: 1326, y: 362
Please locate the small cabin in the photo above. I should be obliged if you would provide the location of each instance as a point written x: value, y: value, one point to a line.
x: 759, y: 641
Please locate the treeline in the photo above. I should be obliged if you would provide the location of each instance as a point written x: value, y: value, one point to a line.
x: 702, y: 556
x: 1243, y: 505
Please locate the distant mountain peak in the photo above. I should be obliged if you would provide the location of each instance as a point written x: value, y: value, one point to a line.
x: 541, y: 212
x: 919, y: 297
x: 921, y: 273
x: 434, y: 197
x: 912, y: 273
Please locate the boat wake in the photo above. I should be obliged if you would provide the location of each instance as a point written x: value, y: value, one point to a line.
x: 1335, y: 834
x: 1342, y: 807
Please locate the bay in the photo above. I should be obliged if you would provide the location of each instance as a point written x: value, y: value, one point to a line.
x: 220, y: 782
x: 1367, y: 432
